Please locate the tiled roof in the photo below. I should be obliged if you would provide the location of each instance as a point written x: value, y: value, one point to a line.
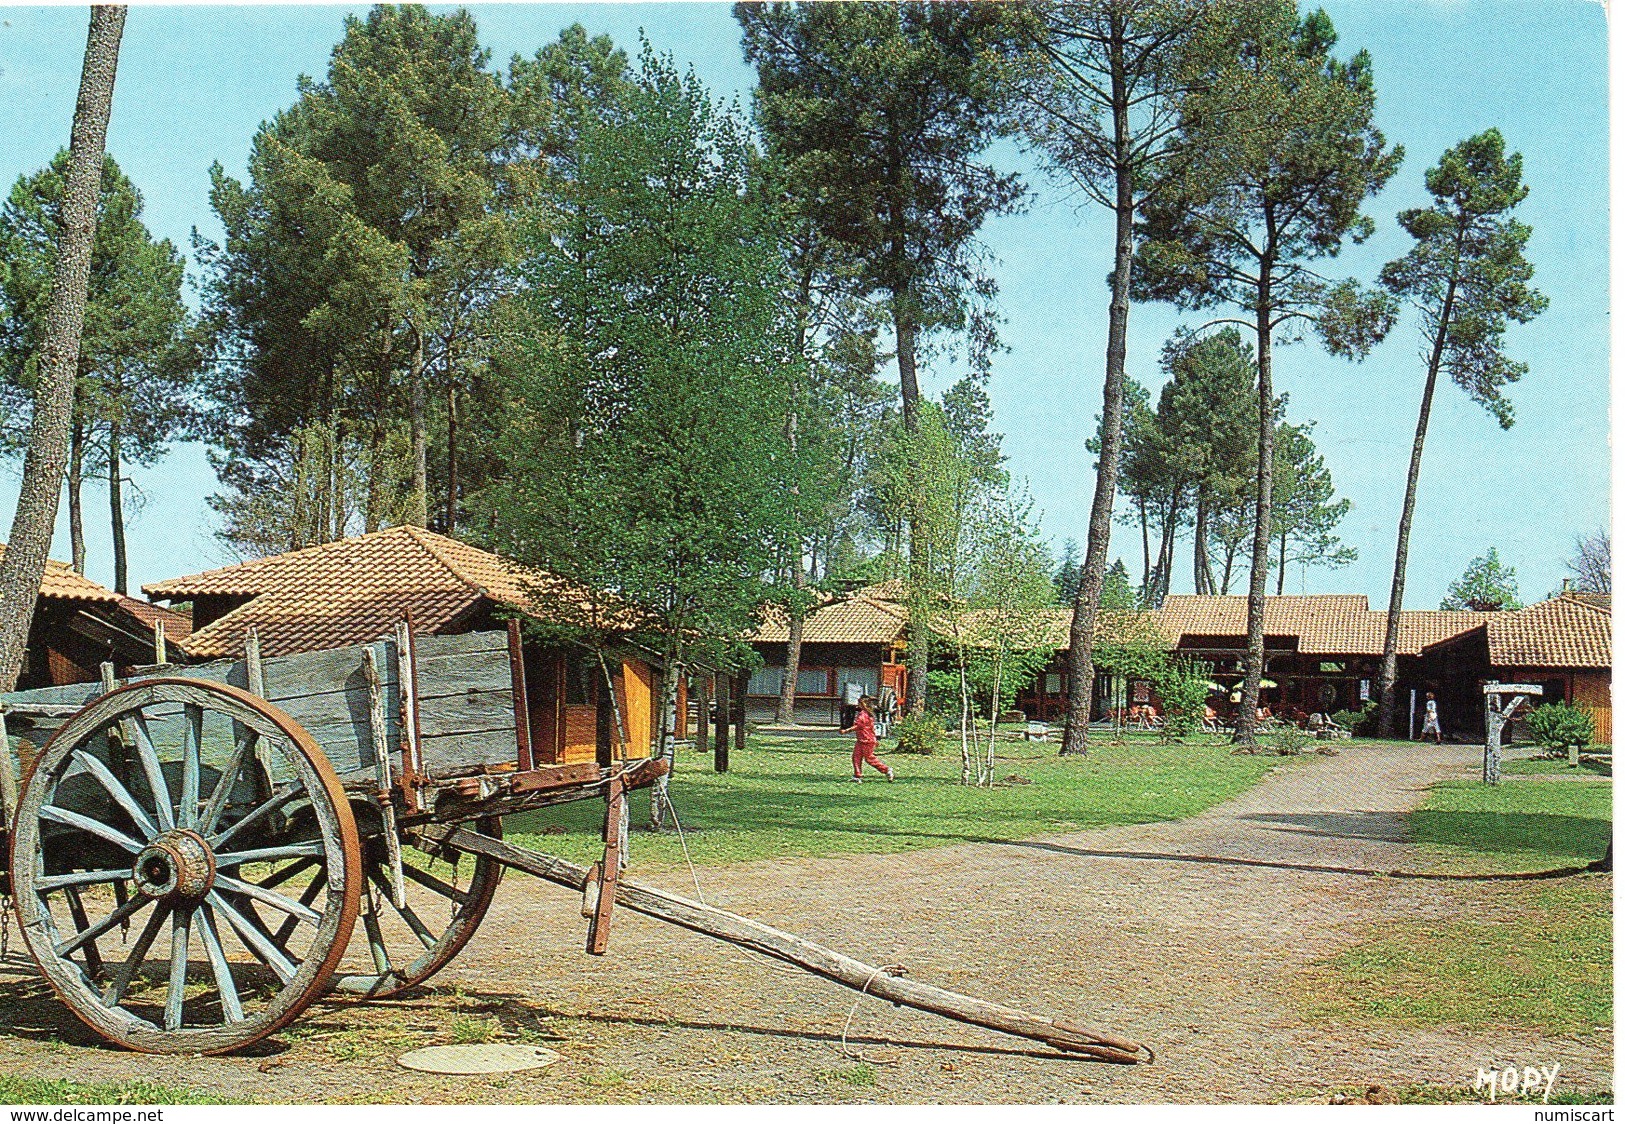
x: 1324, y: 624
x: 867, y: 616
x: 357, y: 589
x: 62, y: 582
x: 1563, y: 632
x: 177, y: 626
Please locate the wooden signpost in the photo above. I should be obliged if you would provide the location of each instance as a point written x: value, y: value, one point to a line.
x: 1496, y: 715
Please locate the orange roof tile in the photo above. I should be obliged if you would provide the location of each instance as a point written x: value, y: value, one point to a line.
x: 866, y: 616
x: 177, y: 626
x: 1563, y: 632
x: 62, y: 582
x: 354, y: 590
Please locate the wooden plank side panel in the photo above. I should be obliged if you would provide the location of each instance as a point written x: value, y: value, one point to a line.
x: 636, y: 688
x: 580, y: 734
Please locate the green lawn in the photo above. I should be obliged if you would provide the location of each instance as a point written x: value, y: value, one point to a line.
x: 1518, y: 825
x: 1547, y: 767
x: 792, y: 796
x: 35, y: 1090
x: 1527, y: 954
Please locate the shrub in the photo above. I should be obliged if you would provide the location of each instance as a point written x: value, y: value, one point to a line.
x: 1556, y: 726
x: 1182, y: 686
x: 1288, y: 740
x: 1356, y: 721
x: 920, y: 733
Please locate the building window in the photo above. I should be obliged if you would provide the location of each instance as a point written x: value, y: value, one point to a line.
x: 766, y: 682
x: 1333, y: 667
x: 581, y: 676
x: 814, y: 681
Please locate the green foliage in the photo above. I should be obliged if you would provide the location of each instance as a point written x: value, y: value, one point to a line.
x: 1556, y: 726
x: 922, y: 734
x: 1182, y: 687
x: 647, y: 449
x: 1485, y: 586
x: 1467, y: 275
x: 356, y: 283
x: 1289, y: 741
x: 53, y: 1091
x: 1357, y: 721
x: 138, y: 361
x: 1304, y: 515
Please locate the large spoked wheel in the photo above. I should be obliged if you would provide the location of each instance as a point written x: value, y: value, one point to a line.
x: 186, y: 867
x: 446, y: 897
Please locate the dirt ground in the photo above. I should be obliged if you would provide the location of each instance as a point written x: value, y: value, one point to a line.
x: 1189, y: 936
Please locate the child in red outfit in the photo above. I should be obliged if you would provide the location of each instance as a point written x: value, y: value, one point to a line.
x: 863, y: 725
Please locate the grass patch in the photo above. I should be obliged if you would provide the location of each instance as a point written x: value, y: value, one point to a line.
x: 860, y: 1076
x: 1556, y: 767
x: 1476, y: 828
x: 35, y: 1090
x: 792, y: 796
x: 1543, y: 958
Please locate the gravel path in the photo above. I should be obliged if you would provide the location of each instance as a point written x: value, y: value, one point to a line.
x: 1190, y: 936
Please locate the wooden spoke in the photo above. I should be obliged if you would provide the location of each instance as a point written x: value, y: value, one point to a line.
x: 84, y: 878
x: 297, y: 910
x: 267, y: 854
x: 191, y: 766
x: 76, y: 910
x: 429, y: 881
x: 375, y: 932
x: 180, y: 939
x: 154, y: 770
x: 256, y: 939
x: 419, y: 929
x: 247, y: 738
x: 276, y: 803
x: 285, y: 930
x: 85, y: 823
x: 137, y: 956
x: 77, y: 941
x: 94, y: 766
x: 230, y: 1004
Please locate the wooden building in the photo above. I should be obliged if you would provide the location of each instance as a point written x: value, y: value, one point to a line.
x: 856, y: 639
x: 1323, y: 652
x: 78, y: 625
x: 355, y: 590
x: 1564, y: 644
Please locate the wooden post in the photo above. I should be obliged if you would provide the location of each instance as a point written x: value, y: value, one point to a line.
x: 702, y: 708
x: 386, y: 783
x: 406, y: 675
x: 160, y: 646
x: 8, y: 778
x: 521, y: 700
x: 719, y: 756
x: 883, y: 983
x: 263, y: 753
x: 739, y: 686
x: 609, y: 869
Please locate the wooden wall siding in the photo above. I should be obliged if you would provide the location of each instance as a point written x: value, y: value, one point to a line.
x: 580, y: 735
x: 1593, y: 690
x: 544, y: 690
x: 635, y: 687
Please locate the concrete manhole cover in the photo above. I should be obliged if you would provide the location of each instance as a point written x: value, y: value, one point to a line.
x: 489, y: 1058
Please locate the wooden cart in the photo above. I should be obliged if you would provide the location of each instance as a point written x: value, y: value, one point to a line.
x: 190, y: 848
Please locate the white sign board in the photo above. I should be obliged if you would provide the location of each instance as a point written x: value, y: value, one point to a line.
x: 1514, y: 689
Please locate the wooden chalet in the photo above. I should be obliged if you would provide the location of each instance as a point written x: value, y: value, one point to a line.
x: 1323, y: 652
x: 79, y: 625
x: 356, y: 590
x: 855, y: 638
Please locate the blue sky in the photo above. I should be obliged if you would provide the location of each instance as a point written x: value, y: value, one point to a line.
x: 195, y: 82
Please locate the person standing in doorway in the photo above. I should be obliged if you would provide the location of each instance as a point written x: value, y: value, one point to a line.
x: 1430, y: 720
x: 863, y: 750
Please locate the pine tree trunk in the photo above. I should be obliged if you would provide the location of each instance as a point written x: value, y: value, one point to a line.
x: 1388, y: 674
x: 451, y: 461
x: 76, y: 495
x: 917, y: 634
x: 702, y: 708
x: 29, y: 544
x: 1200, y: 562
x: 1080, y: 670
x: 719, y: 755
x: 419, y: 510
x: 1258, y: 579
x: 1280, y: 572
x: 792, y: 655
x: 115, y: 503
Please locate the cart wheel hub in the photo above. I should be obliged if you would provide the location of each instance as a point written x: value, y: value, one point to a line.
x: 177, y: 866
